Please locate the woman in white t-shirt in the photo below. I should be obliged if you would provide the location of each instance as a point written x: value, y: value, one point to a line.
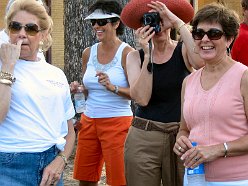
x: 36, y: 130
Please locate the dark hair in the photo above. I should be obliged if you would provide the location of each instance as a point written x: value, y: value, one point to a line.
x: 109, y: 6
x: 244, y: 4
x: 218, y: 13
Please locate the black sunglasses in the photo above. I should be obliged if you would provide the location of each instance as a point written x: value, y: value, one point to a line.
x: 100, y: 22
x: 213, y: 34
x: 30, y: 28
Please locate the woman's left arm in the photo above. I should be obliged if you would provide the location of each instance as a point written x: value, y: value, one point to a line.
x: 52, y: 173
x: 104, y: 79
x: 125, y: 92
x: 240, y: 146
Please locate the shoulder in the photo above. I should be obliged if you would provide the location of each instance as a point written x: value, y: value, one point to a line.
x: 54, y: 68
x: 195, y: 74
x: 244, y: 84
x: 133, y: 55
x: 127, y: 49
x: 86, y: 51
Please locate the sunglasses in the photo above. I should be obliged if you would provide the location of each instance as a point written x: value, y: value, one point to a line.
x: 213, y: 34
x: 100, y: 22
x: 30, y: 28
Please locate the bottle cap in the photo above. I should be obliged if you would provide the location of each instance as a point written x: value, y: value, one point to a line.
x: 80, y: 88
x: 194, y: 144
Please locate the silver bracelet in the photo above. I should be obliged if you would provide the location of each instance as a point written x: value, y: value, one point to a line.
x: 226, y: 149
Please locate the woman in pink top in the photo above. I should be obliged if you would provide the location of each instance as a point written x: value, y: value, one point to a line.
x: 215, y: 102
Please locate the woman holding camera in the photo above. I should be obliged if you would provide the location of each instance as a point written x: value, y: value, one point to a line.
x: 156, y: 88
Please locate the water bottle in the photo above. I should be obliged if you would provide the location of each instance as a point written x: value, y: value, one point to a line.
x: 79, y: 99
x: 196, y: 176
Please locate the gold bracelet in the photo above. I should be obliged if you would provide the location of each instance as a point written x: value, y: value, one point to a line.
x: 63, y: 157
x: 7, y: 75
x: 6, y: 82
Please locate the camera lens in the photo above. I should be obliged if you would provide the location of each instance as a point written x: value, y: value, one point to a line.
x: 148, y: 20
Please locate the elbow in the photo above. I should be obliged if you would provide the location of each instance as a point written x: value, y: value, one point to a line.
x: 3, y: 115
x: 143, y: 103
x: 139, y: 99
x: 2, y: 118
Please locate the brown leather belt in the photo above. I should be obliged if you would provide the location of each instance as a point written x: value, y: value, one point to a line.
x: 150, y: 125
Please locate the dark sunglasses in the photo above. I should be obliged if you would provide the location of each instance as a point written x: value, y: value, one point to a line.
x: 213, y: 34
x: 30, y: 28
x: 100, y: 22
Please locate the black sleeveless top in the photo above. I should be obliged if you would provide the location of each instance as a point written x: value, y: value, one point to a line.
x: 165, y: 103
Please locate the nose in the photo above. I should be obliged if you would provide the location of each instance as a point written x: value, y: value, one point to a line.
x: 205, y: 37
x: 95, y: 25
x: 22, y: 32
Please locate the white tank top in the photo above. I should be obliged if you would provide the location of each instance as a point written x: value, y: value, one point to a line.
x: 102, y: 103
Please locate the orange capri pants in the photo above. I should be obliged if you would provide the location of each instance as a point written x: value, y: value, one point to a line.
x: 101, y: 140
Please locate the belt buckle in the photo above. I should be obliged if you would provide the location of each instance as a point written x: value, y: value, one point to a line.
x: 148, y: 126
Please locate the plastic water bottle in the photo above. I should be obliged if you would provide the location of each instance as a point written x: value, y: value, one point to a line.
x: 79, y: 99
x: 196, y: 176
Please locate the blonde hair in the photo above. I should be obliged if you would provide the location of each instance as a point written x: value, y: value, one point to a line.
x: 35, y: 8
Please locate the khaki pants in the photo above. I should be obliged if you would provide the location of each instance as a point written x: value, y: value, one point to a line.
x: 149, y: 156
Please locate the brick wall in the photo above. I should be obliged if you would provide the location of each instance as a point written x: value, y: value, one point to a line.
x: 3, y: 4
x: 57, y: 12
x: 233, y: 4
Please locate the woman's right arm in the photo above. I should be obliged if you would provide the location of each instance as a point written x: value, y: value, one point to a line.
x: 85, y: 58
x: 9, y: 54
x: 5, y: 95
x: 140, y: 79
x: 182, y: 143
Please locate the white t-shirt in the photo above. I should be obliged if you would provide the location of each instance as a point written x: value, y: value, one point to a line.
x: 39, y: 109
x: 4, y: 38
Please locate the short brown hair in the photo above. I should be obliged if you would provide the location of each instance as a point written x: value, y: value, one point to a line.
x: 218, y: 13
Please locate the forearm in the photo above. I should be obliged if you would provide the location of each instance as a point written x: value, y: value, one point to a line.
x: 5, y: 95
x: 5, y: 90
x: 191, y: 53
x: 70, y: 140
x: 141, y: 90
x: 121, y: 91
x: 237, y: 147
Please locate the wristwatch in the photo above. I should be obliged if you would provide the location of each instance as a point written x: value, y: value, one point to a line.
x: 116, y: 89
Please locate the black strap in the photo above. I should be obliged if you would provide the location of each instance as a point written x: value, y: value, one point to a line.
x: 142, y: 54
x: 149, y: 65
